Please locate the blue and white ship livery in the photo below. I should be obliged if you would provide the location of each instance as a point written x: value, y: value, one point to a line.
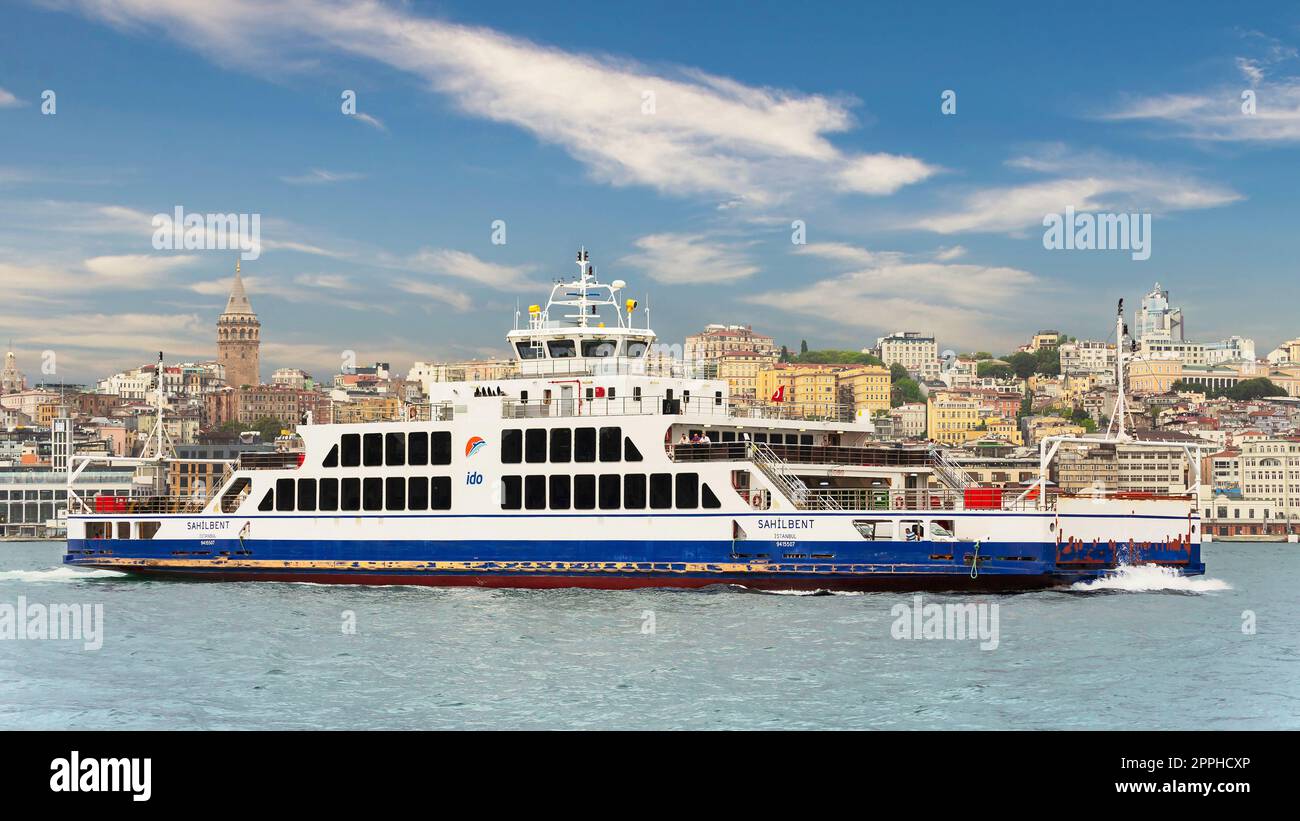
x: 573, y: 473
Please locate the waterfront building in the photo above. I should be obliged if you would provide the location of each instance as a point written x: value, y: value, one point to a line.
x: 916, y: 352
x: 1087, y: 356
x: 292, y: 378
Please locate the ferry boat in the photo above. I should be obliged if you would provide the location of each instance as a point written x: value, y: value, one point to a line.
x: 580, y: 471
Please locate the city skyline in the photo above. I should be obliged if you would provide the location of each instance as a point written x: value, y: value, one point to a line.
x: 377, y: 227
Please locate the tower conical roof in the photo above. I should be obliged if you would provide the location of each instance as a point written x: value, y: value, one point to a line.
x: 238, y: 302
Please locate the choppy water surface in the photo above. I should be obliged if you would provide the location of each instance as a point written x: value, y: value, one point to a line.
x: 1142, y: 650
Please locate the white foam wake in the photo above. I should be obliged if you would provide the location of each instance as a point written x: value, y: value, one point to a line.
x: 1147, y: 578
x: 57, y: 574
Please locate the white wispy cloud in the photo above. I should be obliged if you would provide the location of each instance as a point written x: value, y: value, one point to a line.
x: 690, y: 258
x: 960, y: 302
x: 449, y: 295
x: 373, y: 122
x: 1220, y: 113
x: 446, y: 262
x: 682, y: 132
x: 136, y: 270
x: 1087, y: 181
x: 8, y: 100
x: 319, y: 176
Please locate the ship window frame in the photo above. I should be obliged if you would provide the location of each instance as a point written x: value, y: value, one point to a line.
x: 535, y: 446
x: 372, y: 451
x: 512, y: 446
x: 440, y: 447
x: 609, y: 441
x: 634, y: 488
x: 535, y: 491
x: 583, y: 448
x: 395, y: 493
x: 395, y: 449
x: 584, y: 491
x: 631, y: 453
x: 350, y: 457
x: 512, y: 492
x: 372, y: 494
x: 661, y: 491
x: 417, y: 493
x: 327, y: 500
x: 609, y: 491
x: 561, y: 445
x: 708, y: 499
x: 417, y: 448
x: 306, y: 500
x: 686, y: 484
x: 559, y: 494
x: 350, y: 494
x: 439, y: 493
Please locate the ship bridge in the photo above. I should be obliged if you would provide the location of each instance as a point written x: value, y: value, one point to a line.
x: 584, y: 329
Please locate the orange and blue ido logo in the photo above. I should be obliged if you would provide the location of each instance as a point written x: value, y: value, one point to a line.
x: 473, y: 446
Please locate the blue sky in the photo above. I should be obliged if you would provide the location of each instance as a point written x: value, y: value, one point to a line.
x: 377, y: 230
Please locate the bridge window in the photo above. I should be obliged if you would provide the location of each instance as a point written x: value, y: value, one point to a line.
x: 634, y: 491
x: 351, y: 494
x: 351, y: 450
x: 535, y: 492
x: 561, y: 445
x: 584, y: 445
x: 512, y: 446
x: 527, y: 351
x: 559, y: 492
x: 511, y: 492
x: 636, y: 347
x: 611, y: 444
x: 584, y: 492
x: 307, y: 494
x: 610, y: 487
x: 417, y: 448
x: 599, y: 348
x: 561, y: 348
x: 372, y: 492
x: 440, y: 493
x: 395, y: 493
x: 329, y: 494
x: 661, y: 490
x: 535, y: 445
x: 417, y: 493
x: 688, y: 490
x: 439, y: 448
x: 395, y: 449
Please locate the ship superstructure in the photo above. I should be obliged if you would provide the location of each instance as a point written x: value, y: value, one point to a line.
x: 597, y: 467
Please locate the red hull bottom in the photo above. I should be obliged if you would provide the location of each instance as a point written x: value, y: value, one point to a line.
x: 882, y: 582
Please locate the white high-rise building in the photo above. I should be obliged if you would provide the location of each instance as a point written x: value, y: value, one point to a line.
x: 1156, y: 319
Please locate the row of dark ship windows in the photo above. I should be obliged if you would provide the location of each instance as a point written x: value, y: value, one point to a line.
x: 609, y: 491
x: 390, y: 449
x: 393, y: 493
x: 538, y: 445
